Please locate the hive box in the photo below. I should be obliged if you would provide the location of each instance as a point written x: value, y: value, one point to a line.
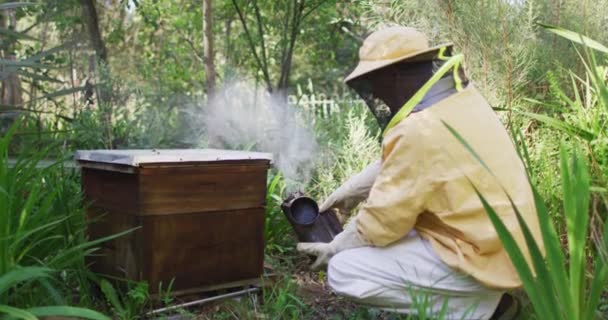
x: 199, y: 214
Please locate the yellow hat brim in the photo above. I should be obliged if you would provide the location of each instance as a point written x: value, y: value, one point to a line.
x: 365, y: 67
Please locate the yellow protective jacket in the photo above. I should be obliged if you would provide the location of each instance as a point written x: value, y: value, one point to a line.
x: 425, y: 184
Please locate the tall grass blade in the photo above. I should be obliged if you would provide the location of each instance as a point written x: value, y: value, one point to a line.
x: 575, y: 188
x: 467, y: 146
x: 15, y: 5
x: 66, y: 311
x: 553, y: 292
x: 600, y: 276
x: 598, y: 80
x: 25, y: 64
x: 518, y: 259
x: 16, y: 34
x: 67, y: 256
x: 17, y: 313
x: 575, y: 37
x: 554, y: 254
x: 110, y: 293
x: 18, y: 275
x: 559, y: 125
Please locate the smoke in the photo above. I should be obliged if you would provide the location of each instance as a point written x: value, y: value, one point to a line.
x: 245, y: 118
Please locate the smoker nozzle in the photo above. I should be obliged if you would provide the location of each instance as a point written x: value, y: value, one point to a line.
x: 308, y: 223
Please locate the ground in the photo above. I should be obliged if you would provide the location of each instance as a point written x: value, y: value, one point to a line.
x: 295, y: 287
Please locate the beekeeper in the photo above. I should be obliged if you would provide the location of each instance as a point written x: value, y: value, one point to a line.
x: 422, y: 233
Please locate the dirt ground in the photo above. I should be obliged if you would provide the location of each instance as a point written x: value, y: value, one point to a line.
x: 311, y: 289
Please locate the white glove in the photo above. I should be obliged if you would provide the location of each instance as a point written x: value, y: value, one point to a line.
x: 354, y: 190
x: 347, y: 239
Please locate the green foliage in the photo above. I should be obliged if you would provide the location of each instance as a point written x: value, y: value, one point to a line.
x: 276, y: 227
x: 351, y: 144
x: 509, y: 57
x: 283, y: 301
x: 40, y: 213
x: 280, y: 302
x: 575, y: 111
x: 42, y: 226
x: 556, y: 290
x: 155, y: 56
x: 13, y: 281
x: 130, y: 305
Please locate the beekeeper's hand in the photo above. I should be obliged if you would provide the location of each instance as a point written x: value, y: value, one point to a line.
x: 354, y: 190
x: 347, y: 239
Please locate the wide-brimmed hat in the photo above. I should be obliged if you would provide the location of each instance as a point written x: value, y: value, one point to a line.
x: 391, y: 45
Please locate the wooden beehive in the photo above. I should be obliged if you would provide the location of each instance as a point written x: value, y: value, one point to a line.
x: 199, y: 214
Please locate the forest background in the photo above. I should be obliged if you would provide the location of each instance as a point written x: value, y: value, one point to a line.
x: 86, y: 74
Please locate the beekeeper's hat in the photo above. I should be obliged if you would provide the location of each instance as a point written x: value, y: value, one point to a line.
x: 391, y: 45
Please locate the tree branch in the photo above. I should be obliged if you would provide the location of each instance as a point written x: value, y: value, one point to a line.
x: 284, y: 35
x: 312, y: 9
x: 252, y: 46
x: 295, y: 25
x: 191, y: 44
x: 258, y: 18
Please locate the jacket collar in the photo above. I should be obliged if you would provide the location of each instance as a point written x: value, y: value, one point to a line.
x: 439, y: 91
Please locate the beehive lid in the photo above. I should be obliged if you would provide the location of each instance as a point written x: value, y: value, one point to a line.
x: 137, y: 158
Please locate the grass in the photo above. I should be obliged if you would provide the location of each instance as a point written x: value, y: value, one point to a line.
x: 556, y: 289
x: 570, y: 284
x: 41, y: 233
x: 16, y: 280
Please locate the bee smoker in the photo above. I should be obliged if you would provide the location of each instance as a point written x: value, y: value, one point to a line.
x: 309, y: 224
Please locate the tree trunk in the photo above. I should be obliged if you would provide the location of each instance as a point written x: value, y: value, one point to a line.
x: 227, y: 46
x: 91, y: 20
x: 104, y: 87
x: 11, y: 85
x: 208, y: 52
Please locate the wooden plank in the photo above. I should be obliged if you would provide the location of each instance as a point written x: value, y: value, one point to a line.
x: 113, y: 191
x: 221, y: 163
x: 174, y: 190
x: 107, y: 166
x: 203, y: 248
x: 120, y: 257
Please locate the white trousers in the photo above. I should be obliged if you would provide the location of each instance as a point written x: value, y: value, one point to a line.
x: 408, y: 277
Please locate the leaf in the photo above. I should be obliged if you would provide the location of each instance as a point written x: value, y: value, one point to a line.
x: 555, y: 255
x: 517, y: 258
x: 575, y: 37
x: 65, y: 256
x: 67, y: 311
x: 17, y: 313
x: 49, y: 52
x: 559, y: 125
x: 598, y: 80
x: 15, y: 5
x: 467, y: 146
x: 18, y: 275
x: 112, y: 296
x: 16, y: 34
x: 543, y: 275
x: 600, y: 278
x: 575, y: 186
x: 38, y: 76
x: 56, y: 94
x: 26, y: 64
